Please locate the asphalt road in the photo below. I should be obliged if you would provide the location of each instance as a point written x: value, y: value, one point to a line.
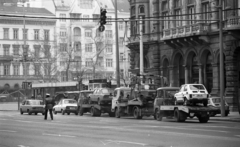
x: 85, y: 131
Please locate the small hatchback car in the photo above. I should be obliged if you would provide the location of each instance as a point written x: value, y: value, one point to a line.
x: 216, y: 102
x: 190, y: 94
x: 32, y: 106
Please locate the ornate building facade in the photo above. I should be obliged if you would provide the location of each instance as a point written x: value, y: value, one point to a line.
x: 181, y: 43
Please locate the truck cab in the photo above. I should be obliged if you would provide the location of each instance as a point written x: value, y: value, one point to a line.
x: 121, y: 95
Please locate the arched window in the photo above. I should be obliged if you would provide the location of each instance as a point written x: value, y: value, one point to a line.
x: 133, y: 11
x: 77, y: 31
x: 141, y: 9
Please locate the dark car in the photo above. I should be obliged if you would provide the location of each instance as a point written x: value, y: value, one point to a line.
x: 216, y: 102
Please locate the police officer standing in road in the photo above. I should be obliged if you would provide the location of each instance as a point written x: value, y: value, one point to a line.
x: 49, y: 103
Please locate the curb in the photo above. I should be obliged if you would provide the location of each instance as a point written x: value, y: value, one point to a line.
x: 232, y: 120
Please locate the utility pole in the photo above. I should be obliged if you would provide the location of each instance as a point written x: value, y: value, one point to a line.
x: 117, y: 48
x: 222, y: 88
x: 24, y: 48
x: 141, y: 48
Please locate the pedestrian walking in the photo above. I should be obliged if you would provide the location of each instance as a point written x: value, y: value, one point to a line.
x: 49, y: 103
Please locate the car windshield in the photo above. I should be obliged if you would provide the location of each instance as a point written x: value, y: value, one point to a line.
x: 148, y: 93
x: 36, y: 103
x: 72, y: 95
x: 196, y: 87
x: 106, y: 91
x: 70, y: 102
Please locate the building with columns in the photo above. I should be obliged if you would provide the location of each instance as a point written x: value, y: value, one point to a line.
x: 181, y: 43
x: 38, y: 36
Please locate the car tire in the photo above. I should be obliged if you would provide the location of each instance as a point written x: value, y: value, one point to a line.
x: 21, y: 112
x: 111, y: 114
x: 203, y: 119
x: 155, y: 114
x: 159, y: 116
x: 68, y: 113
x: 36, y: 113
x: 205, y: 103
x: 92, y: 111
x: 54, y: 111
x: 63, y: 112
x: 179, y: 115
x: 226, y: 113
x: 43, y: 113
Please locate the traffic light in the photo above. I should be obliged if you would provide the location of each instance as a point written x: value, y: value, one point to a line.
x: 103, y: 17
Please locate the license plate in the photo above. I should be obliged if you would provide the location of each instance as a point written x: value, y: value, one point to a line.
x: 199, y: 95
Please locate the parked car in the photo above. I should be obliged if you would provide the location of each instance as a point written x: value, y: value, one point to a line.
x: 190, y: 94
x: 32, y: 106
x: 66, y: 106
x: 101, y: 95
x: 216, y: 102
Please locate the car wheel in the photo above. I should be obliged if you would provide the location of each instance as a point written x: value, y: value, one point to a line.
x: 136, y: 113
x: 159, y: 116
x: 179, y: 115
x: 155, y: 114
x: 205, y: 103
x: 226, y: 113
x: 21, y: 112
x: 36, y: 113
x: 63, y: 112
x: 43, y: 113
x: 54, y: 111
x: 93, y: 112
x: 68, y: 113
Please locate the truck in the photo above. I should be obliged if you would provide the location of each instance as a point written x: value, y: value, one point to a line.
x: 165, y: 106
x: 95, y: 102
x: 131, y: 102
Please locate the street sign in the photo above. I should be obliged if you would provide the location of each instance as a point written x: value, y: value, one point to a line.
x: 101, y: 28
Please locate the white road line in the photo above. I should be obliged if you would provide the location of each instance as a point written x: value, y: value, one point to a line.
x: 118, y: 142
x: 237, y: 135
x: 8, y: 131
x: 3, y: 119
x: 24, y: 121
x: 58, y: 135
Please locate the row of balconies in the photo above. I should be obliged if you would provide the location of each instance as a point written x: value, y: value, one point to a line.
x: 232, y: 23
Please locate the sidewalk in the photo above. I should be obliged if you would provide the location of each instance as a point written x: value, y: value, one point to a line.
x: 233, y: 116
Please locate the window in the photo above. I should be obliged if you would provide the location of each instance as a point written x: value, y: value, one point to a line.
x: 109, y: 48
x: 96, y: 17
x: 166, y: 24
x: 121, y: 56
x: 78, y: 47
x: 25, y: 34
x: 177, y: 3
x: 191, y: 14
x: 15, y: 51
x: 109, y: 63
x: 77, y: 31
x: 15, y: 33
x: 86, y: 4
x: 63, y: 17
x: 133, y: 26
x: 6, y: 69
x: 63, y: 47
x: 36, y: 34
x: 165, y: 5
x: 6, y: 51
x: 108, y: 34
x: 37, y: 53
x: 15, y: 69
x: 46, y: 34
x: 63, y: 33
x: 5, y: 33
x: 141, y: 9
x: 121, y: 41
x: 88, y: 62
x: 205, y: 10
x: 86, y: 18
x: 100, y: 61
x: 88, y: 33
x: 133, y: 10
x: 191, y: 1
x: 37, y: 69
x: 178, y: 17
x: 88, y: 47
x: 120, y: 27
x: 26, y: 69
x: 47, y: 68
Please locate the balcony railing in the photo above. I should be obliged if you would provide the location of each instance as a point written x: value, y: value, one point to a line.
x: 6, y: 58
x: 233, y: 23
x: 184, y: 31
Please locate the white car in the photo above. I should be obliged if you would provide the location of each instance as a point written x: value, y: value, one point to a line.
x: 66, y: 106
x: 190, y: 94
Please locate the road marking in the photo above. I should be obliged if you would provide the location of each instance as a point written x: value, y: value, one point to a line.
x: 58, y: 135
x: 24, y: 121
x: 8, y: 131
x: 237, y: 135
x: 3, y: 119
x: 119, y: 142
x: 22, y: 146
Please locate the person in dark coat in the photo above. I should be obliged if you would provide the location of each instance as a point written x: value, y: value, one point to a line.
x: 49, y: 103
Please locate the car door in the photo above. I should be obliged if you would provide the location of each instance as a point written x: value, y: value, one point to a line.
x: 179, y: 95
x: 58, y: 106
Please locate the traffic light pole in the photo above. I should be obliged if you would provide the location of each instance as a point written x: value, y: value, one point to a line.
x: 24, y: 49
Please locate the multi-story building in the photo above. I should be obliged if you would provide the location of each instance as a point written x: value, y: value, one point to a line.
x: 38, y: 39
x: 182, y: 43
x: 78, y: 35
